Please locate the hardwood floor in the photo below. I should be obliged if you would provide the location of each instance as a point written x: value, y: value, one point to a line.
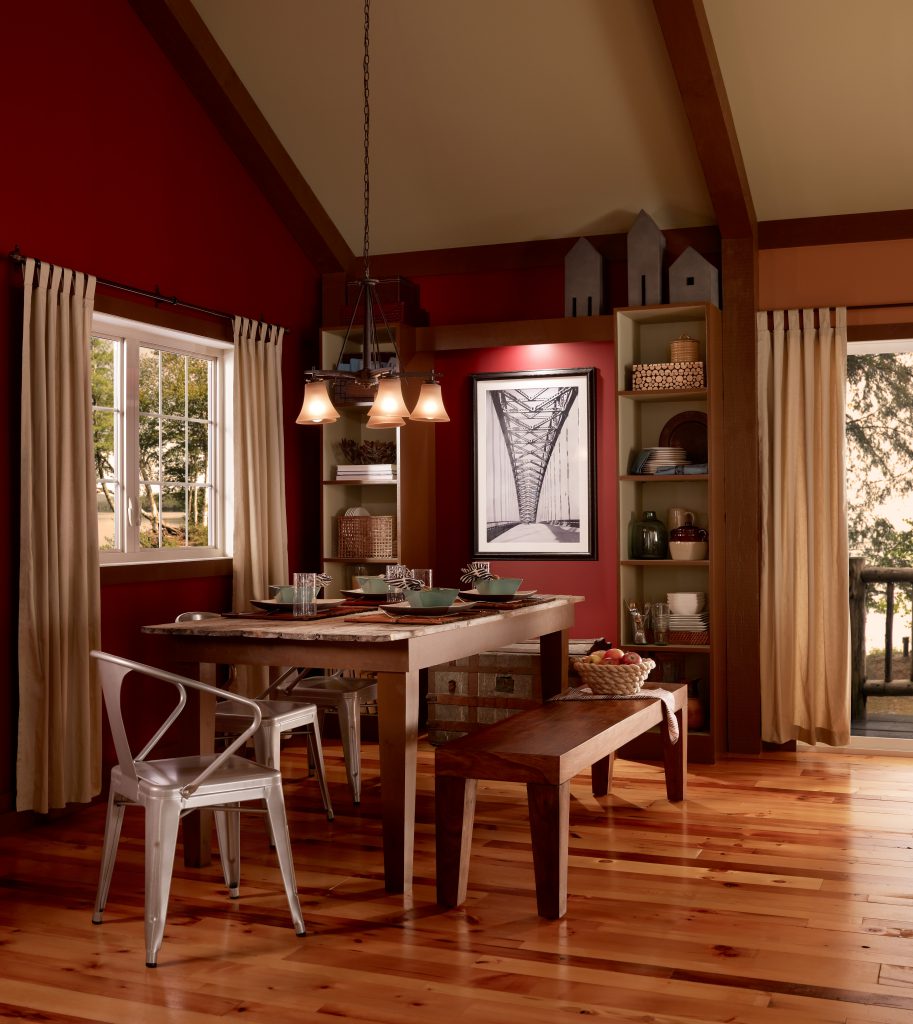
x: 781, y: 892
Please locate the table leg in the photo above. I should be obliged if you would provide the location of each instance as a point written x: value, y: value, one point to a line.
x: 601, y: 773
x: 197, y: 827
x: 675, y: 757
x: 397, y: 724
x: 553, y: 663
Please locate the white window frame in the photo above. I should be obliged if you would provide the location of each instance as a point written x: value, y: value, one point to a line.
x: 130, y: 335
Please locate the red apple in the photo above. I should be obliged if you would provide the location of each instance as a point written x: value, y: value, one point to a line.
x: 614, y: 655
x: 631, y: 658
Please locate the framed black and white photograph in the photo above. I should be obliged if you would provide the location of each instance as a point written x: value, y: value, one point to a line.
x: 534, y: 483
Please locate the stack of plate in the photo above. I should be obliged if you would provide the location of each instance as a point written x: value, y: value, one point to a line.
x: 662, y: 457
x: 689, y: 623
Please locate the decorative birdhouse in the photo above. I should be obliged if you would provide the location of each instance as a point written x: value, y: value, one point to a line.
x: 582, y: 280
x: 646, y: 244
x: 693, y: 279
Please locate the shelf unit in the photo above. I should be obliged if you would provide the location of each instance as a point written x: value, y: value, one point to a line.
x: 643, y: 335
x: 409, y: 498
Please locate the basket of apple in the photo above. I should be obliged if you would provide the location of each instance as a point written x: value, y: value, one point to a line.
x: 614, y: 671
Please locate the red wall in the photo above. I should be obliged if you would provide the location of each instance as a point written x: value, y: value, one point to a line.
x: 516, y: 295
x: 110, y: 166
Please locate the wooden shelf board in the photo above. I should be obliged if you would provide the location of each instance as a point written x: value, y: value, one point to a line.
x: 664, y: 562
x: 671, y: 395
x: 659, y: 648
x: 663, y: 478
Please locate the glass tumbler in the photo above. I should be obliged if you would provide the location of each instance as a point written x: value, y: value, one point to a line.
x: 660, y: 618
x: 305, y: 593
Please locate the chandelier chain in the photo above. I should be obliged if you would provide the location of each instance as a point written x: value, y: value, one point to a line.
x: 367, y: 112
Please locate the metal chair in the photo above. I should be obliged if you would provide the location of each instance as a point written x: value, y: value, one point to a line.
x: 169, y: 788
x: 345, y: 696
x: 278, y: 717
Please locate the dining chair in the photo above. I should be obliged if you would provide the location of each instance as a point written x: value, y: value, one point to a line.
x: 278, y: 718
x: 169, y: 788
x: 347, y: 696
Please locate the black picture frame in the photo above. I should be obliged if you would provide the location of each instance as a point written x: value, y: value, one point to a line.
x: 534, y: 479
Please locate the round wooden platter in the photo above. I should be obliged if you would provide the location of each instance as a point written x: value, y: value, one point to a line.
x: 687, y: 430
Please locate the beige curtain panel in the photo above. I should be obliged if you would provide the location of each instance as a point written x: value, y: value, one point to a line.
x: 59, y: 749
x: 805, y: 667
x: 260, y: 554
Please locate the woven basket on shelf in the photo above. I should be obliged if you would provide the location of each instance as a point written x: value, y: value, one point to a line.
x: 619, y: 679
x: 683, y: 350
x: 364, y: 536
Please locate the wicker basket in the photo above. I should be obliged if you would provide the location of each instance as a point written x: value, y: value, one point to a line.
x: 618, y: 679
x: 683, y: 350
x: 364, y: 537
x: 694, y: 638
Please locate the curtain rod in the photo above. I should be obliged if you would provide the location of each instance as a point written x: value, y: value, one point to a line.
x: 156, y: 296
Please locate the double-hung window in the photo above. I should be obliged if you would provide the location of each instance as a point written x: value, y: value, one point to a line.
x: 158, y: 408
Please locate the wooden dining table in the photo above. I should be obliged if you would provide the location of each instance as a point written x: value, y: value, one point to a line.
x: 397, y: 652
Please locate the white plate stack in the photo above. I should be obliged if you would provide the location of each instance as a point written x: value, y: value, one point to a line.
x: 663, y: 457
x: 689, y: 623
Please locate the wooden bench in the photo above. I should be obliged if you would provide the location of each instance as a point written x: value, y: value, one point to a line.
x: 545, y: 748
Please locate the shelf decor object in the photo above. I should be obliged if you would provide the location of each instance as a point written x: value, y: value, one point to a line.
x: 667, y: 376
x: 375, y: 371
x: 533, y: 472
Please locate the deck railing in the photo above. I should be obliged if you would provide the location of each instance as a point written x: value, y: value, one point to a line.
x: 861, y: 577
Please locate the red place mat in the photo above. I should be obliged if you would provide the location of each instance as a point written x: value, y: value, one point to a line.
x: 324, y: 613
x: 410, y: 620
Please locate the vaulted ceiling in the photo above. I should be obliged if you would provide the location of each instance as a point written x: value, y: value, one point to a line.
x: 514, y: 120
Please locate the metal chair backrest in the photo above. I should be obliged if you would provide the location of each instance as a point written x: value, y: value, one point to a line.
x: 196, y: 616
x: 112, y: 670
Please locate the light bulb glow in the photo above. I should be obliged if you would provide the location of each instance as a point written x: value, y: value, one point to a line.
x: 389, y: 401
x: 430, y: 404
x: 317, y: 408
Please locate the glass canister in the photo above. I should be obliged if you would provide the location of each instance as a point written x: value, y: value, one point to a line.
x: 648, y: 538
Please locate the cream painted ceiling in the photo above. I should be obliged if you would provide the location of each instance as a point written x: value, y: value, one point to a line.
x: 511, y: 120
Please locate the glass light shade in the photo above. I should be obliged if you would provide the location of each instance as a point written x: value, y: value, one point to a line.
x: 317, y: 407
x: 430, y: 404
x: 384, y: 422
x: 389, y: 401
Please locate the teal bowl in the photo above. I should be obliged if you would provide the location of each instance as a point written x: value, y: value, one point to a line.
x: 505, y: 585
x: 373, y: 584
x: 437, y: 597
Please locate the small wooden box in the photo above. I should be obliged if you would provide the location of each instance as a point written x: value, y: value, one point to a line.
x: 469, y: 693
x: 666, y: 376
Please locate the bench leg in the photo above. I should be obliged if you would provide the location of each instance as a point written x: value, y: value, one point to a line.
x: 675, y: 757
x: 602, y: 775
x: 454, y: 809
x: 549, y: 822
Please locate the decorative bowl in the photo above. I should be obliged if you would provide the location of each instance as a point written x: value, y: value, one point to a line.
x: 686, y: 603
x: 504, y: 585
x: 372, y: 584
x: 282, y: 593
x: 687, y: 550
x: 436, y: 597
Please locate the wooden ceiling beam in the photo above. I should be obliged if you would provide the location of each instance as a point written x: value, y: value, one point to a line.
x: 184, y: 38
x: 693, y: 57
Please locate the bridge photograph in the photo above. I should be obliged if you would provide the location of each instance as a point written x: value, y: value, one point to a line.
x: 533, y: 479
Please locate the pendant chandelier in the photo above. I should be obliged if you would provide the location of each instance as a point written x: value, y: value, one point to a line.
x: 383, y: 378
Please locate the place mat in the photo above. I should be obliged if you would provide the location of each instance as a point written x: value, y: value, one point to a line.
x: 668, y: 699
x: 323, y: 613
x: 411, y: 620
x: 519, y: 602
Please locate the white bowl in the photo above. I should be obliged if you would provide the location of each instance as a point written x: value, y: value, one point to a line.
x: 687, y: 550
x: 689, y: 603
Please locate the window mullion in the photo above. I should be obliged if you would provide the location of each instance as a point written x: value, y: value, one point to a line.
x: 130, y: 446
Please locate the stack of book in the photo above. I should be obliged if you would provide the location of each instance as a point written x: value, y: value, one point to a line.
x: 374, y: 471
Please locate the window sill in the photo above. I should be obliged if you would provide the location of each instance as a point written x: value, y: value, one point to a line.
x: 152, y: 572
